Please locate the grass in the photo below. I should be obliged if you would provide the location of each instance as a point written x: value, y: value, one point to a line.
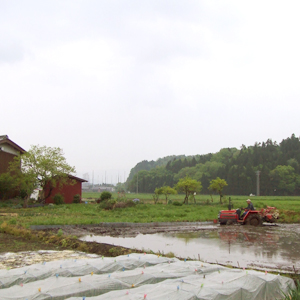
x: 293, y: 294
x: 144, y: 212
x: 16, y: 238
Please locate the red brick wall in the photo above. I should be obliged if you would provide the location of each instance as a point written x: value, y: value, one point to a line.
x: 67, y: 190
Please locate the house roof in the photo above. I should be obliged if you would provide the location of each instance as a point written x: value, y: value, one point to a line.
x: 5, y: 140
x: 77, y: 178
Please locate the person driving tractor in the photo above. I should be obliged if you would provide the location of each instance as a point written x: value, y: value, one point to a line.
x: 249, y: 207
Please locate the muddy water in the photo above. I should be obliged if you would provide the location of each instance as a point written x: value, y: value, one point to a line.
x: 267, y: 247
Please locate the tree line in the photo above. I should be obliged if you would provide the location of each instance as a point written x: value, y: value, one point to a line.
x: 278, y: 165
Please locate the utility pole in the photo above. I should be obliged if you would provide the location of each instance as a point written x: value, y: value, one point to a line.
x: 257, y: 183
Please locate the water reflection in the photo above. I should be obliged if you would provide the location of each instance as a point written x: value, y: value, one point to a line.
x: 273, y: 247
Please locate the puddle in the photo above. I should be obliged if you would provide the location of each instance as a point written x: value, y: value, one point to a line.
x: 267, y: 247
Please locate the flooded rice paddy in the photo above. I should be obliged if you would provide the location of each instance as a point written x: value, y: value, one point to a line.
x: 269, y: 247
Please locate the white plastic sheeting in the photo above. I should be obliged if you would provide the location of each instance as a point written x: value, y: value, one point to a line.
x: 138, y: 276
x: 78, y: 267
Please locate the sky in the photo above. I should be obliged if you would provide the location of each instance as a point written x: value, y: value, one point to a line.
x: 116, y: 82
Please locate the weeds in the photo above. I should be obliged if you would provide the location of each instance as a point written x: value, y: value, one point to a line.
x: 293, y: 294
x: 170, y: 254
x: 58, y: 239
x: 59, y: 232
x: 116, y: 251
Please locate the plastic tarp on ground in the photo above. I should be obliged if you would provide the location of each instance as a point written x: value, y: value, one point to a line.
x: 138, y: 276
x: 78, y: 267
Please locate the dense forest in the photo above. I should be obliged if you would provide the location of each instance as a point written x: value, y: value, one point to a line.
x: 278, y: 165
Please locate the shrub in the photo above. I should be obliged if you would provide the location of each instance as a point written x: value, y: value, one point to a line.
x: 12, y: 221
x: 58, y: 199
x: 6, y: 186
x: 177, y: 203
x: 130, y: 203
x: 108, y: 205
x: 60, y: 232
x: 23, y: 193
x: 105, y: 196
x: 76, y: 198
x: 120, y: 205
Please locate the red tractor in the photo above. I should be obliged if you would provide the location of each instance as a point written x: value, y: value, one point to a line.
x: 252, y: 217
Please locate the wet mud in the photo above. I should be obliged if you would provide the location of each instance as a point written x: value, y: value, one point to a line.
x: 270, y: 247
x: 128, y: 229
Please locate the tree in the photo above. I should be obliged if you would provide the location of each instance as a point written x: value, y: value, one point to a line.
x: 217, y: 185
x: 24, y: 184
x: 188, y: 186
x: 167, y: 191
x: 6, y: 185
x: 120, y: 187
x: 155, y: 196
x: 42, y: 166
x: 284, y: 180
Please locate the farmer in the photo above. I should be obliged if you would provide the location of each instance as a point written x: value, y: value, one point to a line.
x: 249, y: 207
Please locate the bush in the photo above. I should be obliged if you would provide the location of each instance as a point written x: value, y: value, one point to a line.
x: 108, y: 205
x: 130, y: 203
x: 105, y: 196
x: 177, y: 203
x: 120, y: 205
x: 6, y: 186
x: 76, y: 198
x: 60, y: 232
x: 58, y: 199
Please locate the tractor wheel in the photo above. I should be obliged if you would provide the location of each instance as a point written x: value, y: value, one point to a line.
x: 229, y: 222
x: 254, y: 220
x: 272, y: 220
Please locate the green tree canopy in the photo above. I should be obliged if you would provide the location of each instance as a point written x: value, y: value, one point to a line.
x: 42, y: 166
x: 237, y: 166
x: 217, y: 185
x: 188, y: 186
x: 6, y: 185
x: 166, y: 191
x: 284, y: 179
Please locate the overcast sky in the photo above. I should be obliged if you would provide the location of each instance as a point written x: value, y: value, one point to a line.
x: 116, y: 82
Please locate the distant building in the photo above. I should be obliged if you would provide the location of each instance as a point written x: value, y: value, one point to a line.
x: 98, y: 189
x: 8, y: 150
x: 68, y: 190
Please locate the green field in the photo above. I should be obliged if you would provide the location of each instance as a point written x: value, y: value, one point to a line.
x: 280, y: 202
x: 144, y: 212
